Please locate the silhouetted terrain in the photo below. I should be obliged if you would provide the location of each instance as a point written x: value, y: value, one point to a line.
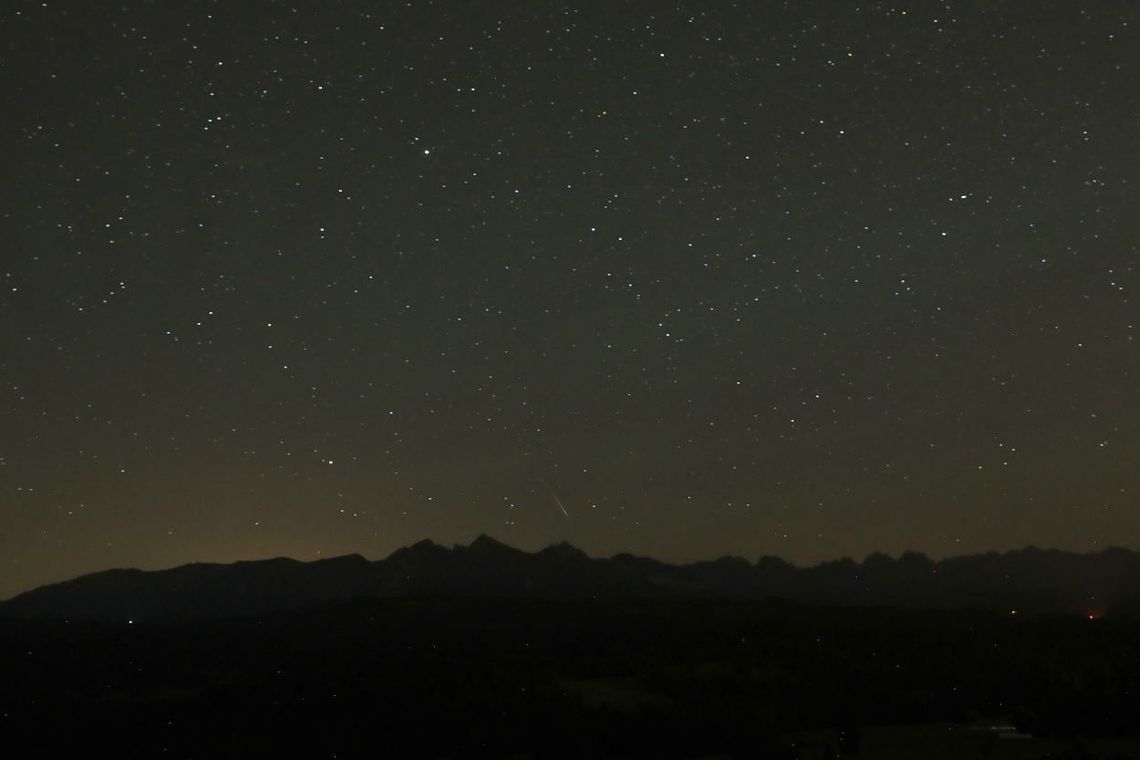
x: 1030, y: 581
x: 487, y: 651
x: 464, y: 677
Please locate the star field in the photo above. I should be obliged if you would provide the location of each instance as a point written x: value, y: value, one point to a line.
x: 809, y: 279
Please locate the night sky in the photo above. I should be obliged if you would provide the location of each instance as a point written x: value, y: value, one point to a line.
x: 684, y: 279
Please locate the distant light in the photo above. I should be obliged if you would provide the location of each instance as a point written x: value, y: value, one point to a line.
x: 131, y: 622
x: 1092, y: 616
x: 1013, y: 612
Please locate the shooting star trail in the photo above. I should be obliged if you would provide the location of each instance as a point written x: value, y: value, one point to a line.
x: 555, y: 496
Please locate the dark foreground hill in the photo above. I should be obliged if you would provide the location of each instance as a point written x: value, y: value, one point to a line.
x: 520, y: 678
x: 1029, y: 581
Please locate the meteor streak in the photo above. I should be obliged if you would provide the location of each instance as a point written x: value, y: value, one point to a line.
x: 555, y: 496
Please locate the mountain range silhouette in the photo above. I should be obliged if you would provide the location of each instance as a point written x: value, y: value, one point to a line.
x: 1028, y: 581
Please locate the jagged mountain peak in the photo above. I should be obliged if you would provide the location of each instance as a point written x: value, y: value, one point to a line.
x: 421, y: 547
x: 1037, y: 580
x: 564, y: 550
x: 485, y: 543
